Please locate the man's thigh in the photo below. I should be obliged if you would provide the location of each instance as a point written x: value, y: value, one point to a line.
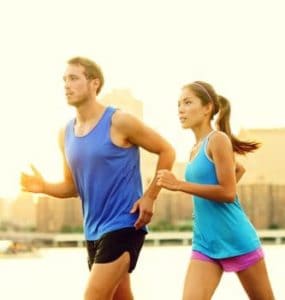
x: 105, y: 278
x: 113, y: 244
x: 123, y: 291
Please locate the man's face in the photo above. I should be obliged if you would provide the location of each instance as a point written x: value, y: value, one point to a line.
x: 77, y: 86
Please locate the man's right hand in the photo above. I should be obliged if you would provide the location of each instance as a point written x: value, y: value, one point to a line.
x: 32, y: 183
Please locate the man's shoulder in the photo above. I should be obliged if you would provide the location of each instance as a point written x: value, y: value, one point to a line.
x: 121, y: 119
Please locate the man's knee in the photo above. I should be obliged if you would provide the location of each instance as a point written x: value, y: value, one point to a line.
x: 126, y: 296
x: 97, y: 292
x: 123, y: 291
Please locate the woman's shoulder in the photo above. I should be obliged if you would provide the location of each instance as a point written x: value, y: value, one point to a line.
x: 219, y: 139
x: 218, y: 135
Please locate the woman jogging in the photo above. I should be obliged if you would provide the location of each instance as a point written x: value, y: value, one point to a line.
x: 223, y: 237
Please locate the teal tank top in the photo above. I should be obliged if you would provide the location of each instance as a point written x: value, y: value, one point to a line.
x: 221, y: 230
x: 107, y: 177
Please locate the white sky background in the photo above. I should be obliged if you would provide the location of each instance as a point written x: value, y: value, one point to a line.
x: 152, y: 48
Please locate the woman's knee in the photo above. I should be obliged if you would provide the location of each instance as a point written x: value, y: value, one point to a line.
x: 196, y: 295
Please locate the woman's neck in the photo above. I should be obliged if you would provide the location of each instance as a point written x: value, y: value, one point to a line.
x: 201, y: 133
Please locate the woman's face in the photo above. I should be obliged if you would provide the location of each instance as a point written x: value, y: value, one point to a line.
x: 190, y: 109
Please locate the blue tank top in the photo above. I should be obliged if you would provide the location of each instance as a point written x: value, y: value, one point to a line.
x: 107, y: 177
x: 220, y: 230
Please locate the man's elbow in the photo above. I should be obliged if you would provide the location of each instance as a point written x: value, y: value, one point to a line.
x: 171, y: 155
x: 74, y: 193
x: 70, y: 193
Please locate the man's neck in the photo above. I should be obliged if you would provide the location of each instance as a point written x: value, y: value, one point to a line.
x: 89, y: 112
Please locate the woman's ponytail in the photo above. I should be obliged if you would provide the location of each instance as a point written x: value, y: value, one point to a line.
x: 223, y: 124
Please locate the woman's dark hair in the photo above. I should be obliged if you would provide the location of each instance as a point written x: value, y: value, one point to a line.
x: 221, y: 106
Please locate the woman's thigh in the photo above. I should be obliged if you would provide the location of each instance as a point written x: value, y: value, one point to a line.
x: 256, y: 282
x: 202, y: 279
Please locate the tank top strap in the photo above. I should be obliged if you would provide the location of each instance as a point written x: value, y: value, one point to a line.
x: 106, y: 120
x: 68, y: 130
x: 206, y: 139
x: 205, y: 143
x: 109, y: 113
x: 110, y: 110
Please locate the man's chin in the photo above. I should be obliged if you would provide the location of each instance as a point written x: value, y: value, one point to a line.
x: 71, y: 102
x: 185, y: 126
x: 74, y: 104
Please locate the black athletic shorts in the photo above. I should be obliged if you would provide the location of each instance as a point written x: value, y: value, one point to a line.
x: 113, y: 244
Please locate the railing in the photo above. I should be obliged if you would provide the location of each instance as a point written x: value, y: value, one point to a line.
x: 155, y: 238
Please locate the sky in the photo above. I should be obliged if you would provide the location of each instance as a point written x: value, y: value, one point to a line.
x: 150, y: 47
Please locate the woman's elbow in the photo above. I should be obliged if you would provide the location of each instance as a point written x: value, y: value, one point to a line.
x: 230, y: 196
x: 242, y: 171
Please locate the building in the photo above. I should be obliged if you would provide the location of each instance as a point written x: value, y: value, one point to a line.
x: 262, y: 188
x: 4, y: 212
x: 265, y: 165
x: 23, y: 211
x: 54, y: 214
x: 123, y: 99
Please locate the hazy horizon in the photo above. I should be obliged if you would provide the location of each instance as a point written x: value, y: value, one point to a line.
x: 152, y: 48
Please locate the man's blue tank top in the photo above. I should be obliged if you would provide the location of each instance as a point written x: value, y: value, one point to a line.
x: 220, y: 230
x: 107, y: 177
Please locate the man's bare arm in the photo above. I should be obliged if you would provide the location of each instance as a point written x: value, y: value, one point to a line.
x: 35, y: 183
x: 137, y: 133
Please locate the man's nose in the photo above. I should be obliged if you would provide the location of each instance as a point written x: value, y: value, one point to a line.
x: 66, y: 84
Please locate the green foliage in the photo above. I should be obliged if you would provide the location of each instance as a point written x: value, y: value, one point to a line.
x: 3, y: 227
x: 71, y: 229
x: 273, y: 226
x: 164, y: 225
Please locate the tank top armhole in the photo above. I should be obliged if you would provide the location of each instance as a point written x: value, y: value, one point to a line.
x: 206, y: 145
x: 112, y: 111
x: 67, y: 129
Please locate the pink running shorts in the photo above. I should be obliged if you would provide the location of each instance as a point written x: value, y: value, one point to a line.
x: 232, y: 264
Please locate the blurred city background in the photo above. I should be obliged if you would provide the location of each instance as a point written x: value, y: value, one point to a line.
x: 147, y: 50
x: 261, y: 190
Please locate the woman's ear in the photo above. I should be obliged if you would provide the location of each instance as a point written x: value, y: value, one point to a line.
x: 208, y: 109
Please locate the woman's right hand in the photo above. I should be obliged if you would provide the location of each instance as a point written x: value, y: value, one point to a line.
x: 167, y: 180
x: 32, y: 183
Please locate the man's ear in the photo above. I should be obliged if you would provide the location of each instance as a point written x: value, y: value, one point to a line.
x: 95, y: 83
